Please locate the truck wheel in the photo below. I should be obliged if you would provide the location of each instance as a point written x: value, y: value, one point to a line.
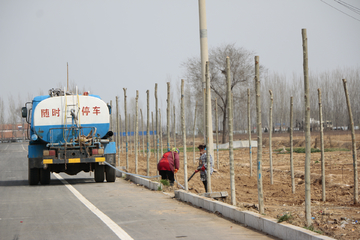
x: 44, y: 176
x: 110, y: 174
x: 99, y: 173
x: 33, y: 176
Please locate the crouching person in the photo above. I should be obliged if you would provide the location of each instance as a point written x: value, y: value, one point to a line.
x: 168, y: 165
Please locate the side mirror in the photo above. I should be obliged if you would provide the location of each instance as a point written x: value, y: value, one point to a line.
x: 109, y: 107
x: 24, y: 112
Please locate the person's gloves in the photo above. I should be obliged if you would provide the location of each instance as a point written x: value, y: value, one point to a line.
x: 197, y: 170
x: 203, y: 168
x: 176, y: 170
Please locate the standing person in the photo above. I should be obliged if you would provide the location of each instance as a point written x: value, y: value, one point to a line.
x: 169, y: 164
x: 203, y: 165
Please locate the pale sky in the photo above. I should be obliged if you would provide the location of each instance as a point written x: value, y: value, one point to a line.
x: 112, y: 44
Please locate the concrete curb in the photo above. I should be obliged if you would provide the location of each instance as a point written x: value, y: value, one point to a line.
x: 257, y: 221
x: 141, y: 181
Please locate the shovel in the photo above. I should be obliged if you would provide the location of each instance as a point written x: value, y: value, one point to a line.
x: 192, y: 176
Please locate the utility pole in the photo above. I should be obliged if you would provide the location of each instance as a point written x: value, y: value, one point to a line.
x: 207, y: 124
x: 204, y: 59
x: 217, y: 134
x: 194, y: 133
x: 174, y: 131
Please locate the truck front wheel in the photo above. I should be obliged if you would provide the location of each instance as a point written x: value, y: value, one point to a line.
x: 33, y: 176
x: 99, y: 173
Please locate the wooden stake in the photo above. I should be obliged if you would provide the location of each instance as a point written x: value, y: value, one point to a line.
x: 259, y: 133
x: 230, y: 120
x: 322, y: 148
x: 142, y: 133
x: 270, y: 136
x: 307, y: 132
x: 249, y: 130
x: 291, y: 146
x: 160, y: 131
x: 356, y: 182
x: 148, y: 135
x: 157, y: 125
x: 117, y: 131
x: 184, y: 134
x: 174, y: 128
x: 194, y: 132
x: 136, y: 130
x: 217, y: 134
x: 126, y: 132
x: 168, y: 116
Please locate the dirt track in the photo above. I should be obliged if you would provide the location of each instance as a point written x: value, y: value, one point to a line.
x: 336, y: 217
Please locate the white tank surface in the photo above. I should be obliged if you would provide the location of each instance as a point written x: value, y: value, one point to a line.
x: 53, y: 116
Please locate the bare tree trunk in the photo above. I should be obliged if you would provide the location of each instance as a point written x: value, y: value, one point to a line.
x: 147, y: 135
x: 270, y: 136
x: 157, y: 125
x: 194, y: 133
x: 160, y: 131
x: 291, y: 146
x: 126, y: 132
x: 259, y: 132
x: 230, y: 119
x: 136, y: 131
x: 130, y: 140
x: 142, y: 133
x: 356, y: 183
x: 249, y: 130
x: 121, y: 137
x: 207, y: 124
x: 111, y: 118
x: 184, y: 134
x: 307, y: 132
x: 153, y: 132
x: 117, y: 131
x: 322, y: 148
x: 174, y: 127
x: 217, y: 134
x: 168, y: 116
x: 224, y: 126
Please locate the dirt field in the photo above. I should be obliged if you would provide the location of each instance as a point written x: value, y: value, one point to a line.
x: 338, y: 217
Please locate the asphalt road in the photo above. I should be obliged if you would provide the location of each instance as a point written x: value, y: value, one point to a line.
x: 97, y: 210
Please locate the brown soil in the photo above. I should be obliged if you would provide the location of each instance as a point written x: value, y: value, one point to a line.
x: 336, y: 217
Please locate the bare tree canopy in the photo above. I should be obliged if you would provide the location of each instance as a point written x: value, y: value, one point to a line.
x: 242, y: 72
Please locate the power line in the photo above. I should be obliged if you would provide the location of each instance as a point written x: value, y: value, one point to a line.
x: 340, y: 11
x: 349, y: 6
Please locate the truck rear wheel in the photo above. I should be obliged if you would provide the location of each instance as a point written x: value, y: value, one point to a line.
x: 33, y: 176
x: 44, y: 176
x: 99, y: 173
x: 110, y: 174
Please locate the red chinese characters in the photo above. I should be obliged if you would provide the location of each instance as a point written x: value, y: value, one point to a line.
x: 96, y: 110
x: 45, y: 113
x: 85, y: 110
x: 56, y: 112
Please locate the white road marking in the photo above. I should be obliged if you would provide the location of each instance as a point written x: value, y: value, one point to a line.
x: 110, y: 223
x: 24, y: 148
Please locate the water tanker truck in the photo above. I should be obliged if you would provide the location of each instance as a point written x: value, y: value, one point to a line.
x: 69, y: 133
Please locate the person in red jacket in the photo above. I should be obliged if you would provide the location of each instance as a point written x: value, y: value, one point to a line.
x: 168, y: 165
